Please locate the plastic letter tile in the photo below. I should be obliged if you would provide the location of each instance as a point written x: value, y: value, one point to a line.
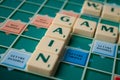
x: 42, y: 63
x: 64, y: 20
x: 111, y: 13
x: 59, y: 32
x: 76, y: 56
x: 13, y: 27
x: 104, y: 48
x: 92, y: 8
x: 42, y: 21
x: 51, y: 45
x: 16, y: 59
x: 84, y: 27
x: 106, y: 33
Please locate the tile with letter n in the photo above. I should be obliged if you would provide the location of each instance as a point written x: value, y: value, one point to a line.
x: 15, y: 58
x: 43, y: 63
x: 76, y: 56
x: 80, y: 42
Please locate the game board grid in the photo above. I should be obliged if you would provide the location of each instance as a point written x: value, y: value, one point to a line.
x: 89, y: 58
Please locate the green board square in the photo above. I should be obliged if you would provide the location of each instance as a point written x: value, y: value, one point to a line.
x: 18, y: 15
x: 26, y: 44
x: 17, y: 74
x: 77, y: 1
x: 109, y: 23
x: 2, y: 20
x: 73, y: 7
x: 114, y: 1
x: 68, y: 72
x: 118, y: 52
x: 11, y: 3
x: 5, y: 12
x: 57, y: 4
x: 2, y: 51
x: 95, y: 75
x: 36, y: 1
x: 91, y: 18
x: 80, y: 42
x: 35, y: 32
x: 117, y: 67
x: 101, y: 63
x: 29, y: 7
x: 48, y: 11
x: 6, y: 39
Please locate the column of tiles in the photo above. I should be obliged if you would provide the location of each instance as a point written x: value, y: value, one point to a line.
x: 46, y: 57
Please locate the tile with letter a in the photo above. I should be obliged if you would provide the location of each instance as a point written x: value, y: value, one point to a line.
x: 42, y: 21
x: 106, y: 33
x: 51, y: 45
x: 84, y: 27
x: 59, y: 32
x: 92, y: 8
x: 104, y: 48
x: 64, y: 20
x: 17, y: 59
x: 111, y: 13
x: 76, y: 56
x: 43, y: 63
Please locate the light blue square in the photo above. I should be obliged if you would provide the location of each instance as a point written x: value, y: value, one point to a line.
x: 16, y: 59
x: 104, y: 48
x: 76, y: 56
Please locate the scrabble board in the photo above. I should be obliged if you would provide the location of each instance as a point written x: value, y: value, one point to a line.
x: 59, y: 40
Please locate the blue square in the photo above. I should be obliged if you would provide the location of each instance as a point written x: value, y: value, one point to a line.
x: 16, y: 59
x: 104, y: 48
x: 76, y: 56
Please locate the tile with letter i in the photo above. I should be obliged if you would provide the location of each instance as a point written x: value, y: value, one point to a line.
x: 13, y: 26
x: 92, y: 8
x: 111, y: 13
x: 64, y: 20
x: 106, y: 33
x: 59, y: 32
x: 84, y: 27
x: 51, y: 45
x: 43, y: 63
